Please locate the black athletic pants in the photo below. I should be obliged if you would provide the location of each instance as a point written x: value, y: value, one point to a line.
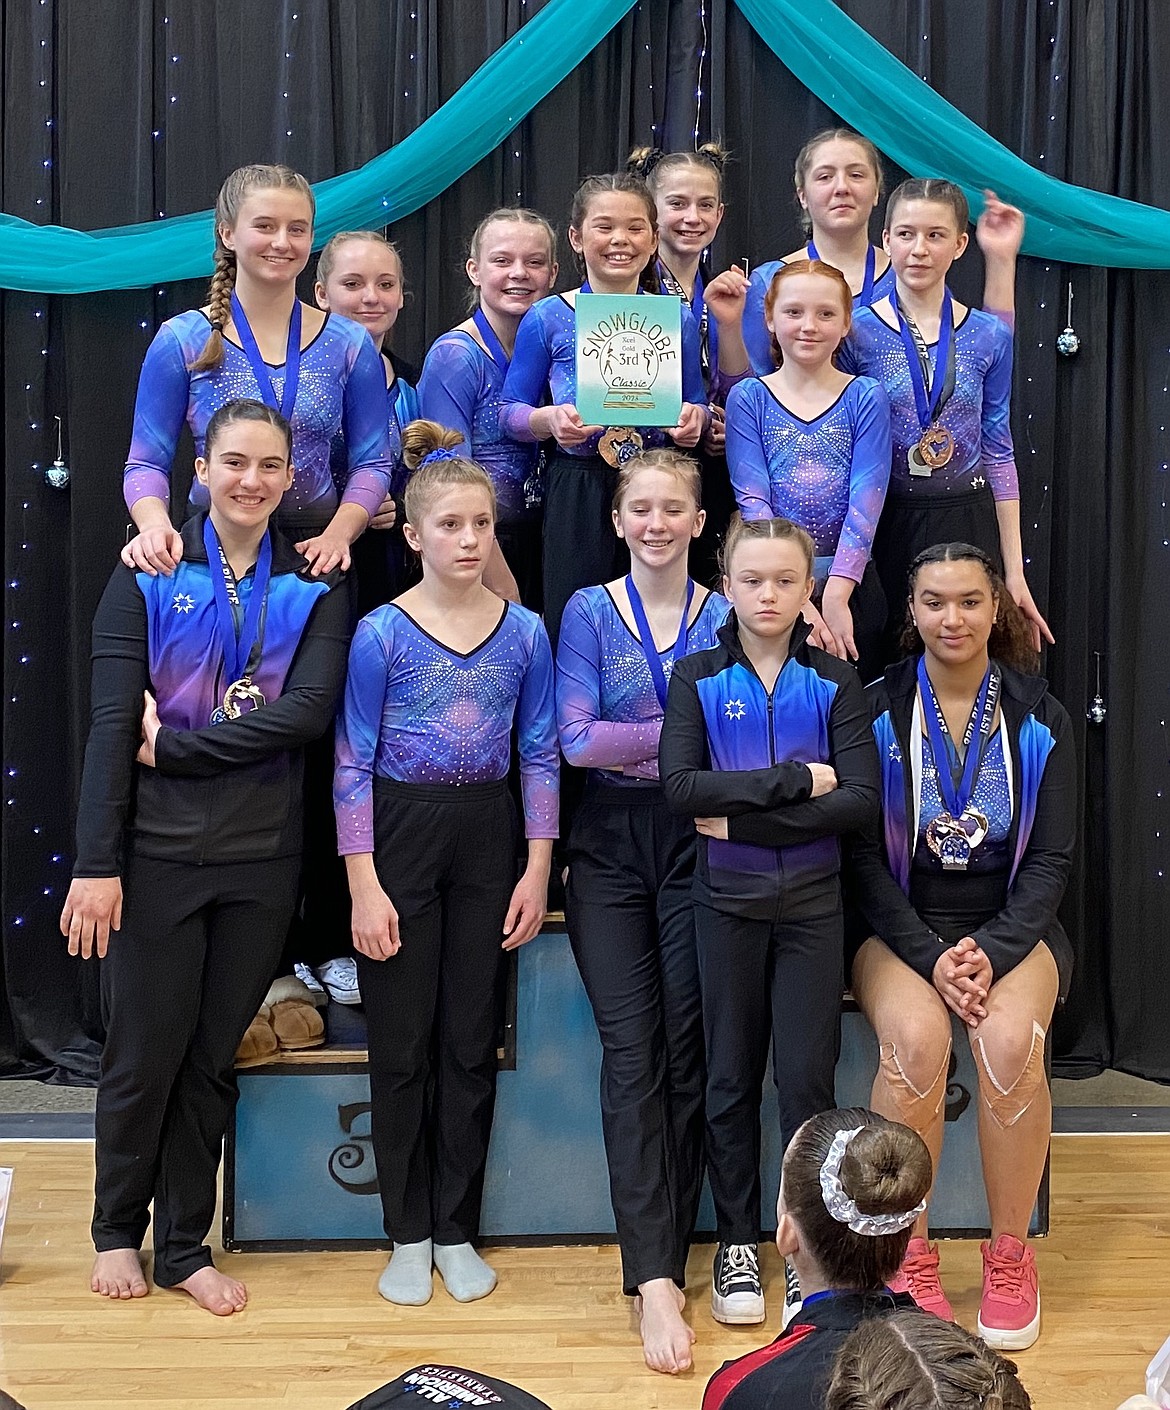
x: 580, y: 546
x: 781, y: 979
x: 631, y: 925
x: 446, y: 857
x: 182, y: 980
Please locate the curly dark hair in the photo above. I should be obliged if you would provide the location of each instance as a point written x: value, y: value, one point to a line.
x: 1011, y: 636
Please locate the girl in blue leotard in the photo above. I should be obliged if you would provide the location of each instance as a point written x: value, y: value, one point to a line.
x: 839, y: 182
x: 613, y: 229
x: 253, y: 338
x: 811, y: 444
x: 511, y: 264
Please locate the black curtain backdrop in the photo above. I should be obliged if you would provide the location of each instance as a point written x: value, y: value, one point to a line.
x: 123, y: 110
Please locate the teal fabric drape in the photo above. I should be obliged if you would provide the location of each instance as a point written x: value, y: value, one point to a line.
x: 495, y: 100
x: 829, y: 53
x: 854, y: 75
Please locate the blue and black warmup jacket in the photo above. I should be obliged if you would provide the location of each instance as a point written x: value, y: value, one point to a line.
x: 731, y: 749
x: 1040, y: 844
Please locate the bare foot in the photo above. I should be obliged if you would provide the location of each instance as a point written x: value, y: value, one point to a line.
x: 215, y: 1291
x: 118, y: 1273
x: 666, y: 1338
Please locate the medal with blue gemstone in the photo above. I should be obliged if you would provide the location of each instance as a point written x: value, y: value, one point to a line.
x: 955, y: 833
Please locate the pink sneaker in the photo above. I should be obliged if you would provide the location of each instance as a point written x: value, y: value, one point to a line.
x: 1009, y: 1312
x: 918, y: 1276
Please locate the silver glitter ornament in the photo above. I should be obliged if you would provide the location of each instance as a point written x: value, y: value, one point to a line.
x: 57, y: 474
x: 1067, y: 342
x: 1097, y: 710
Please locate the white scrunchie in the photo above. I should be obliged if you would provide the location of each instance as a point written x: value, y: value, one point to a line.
x: 844, y: 1210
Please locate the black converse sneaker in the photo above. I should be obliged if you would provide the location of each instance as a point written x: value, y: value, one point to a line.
x: 792, y: 1297
x: 736, y: 1295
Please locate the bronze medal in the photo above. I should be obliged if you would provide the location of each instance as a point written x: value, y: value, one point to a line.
x: 240, y: 698
x: 936, y: 446
x: 619, y: 444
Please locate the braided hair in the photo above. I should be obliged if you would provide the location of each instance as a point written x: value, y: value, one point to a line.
x: 232, y: 194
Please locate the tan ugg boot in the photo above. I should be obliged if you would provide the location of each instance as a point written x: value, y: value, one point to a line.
x: 295, y: 1020
x: 258, y: 1045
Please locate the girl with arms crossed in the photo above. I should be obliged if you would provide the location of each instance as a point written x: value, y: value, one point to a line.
x: 766, y: 746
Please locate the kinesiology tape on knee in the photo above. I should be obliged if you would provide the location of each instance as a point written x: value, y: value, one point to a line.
x: 917, y: 1107
x: 1008, y: 1103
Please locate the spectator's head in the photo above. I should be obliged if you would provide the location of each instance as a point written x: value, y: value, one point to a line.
x: 913, y: 1361
x: 853, y: 1184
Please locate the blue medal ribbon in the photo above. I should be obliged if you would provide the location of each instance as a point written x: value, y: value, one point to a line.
x: 646, y: 636
x: 957, y: 798
x: 929, y: 401
x: 697, y: 305
x: 865, y: 298
x: 238, y: 646
x: 292, y: 358
x: 495, y: 348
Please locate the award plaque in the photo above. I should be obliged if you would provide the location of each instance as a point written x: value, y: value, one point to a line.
x: 629, y: 359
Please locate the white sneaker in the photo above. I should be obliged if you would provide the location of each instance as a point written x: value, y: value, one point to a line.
x: 340, y: 980
x: 312, y: 984
x: 737, y: 1297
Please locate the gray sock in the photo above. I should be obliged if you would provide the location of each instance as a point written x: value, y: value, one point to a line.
x: 466, y: 1276
x: 407, y: 1277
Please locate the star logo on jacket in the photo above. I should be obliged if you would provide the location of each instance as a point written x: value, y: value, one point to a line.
x: 895, y: 753
x: 183, y: 602
x: 978, y: 482
x: 734, y: 709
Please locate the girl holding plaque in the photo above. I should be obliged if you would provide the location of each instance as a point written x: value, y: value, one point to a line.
x: 437, y: 681
x: 254, y: 338
x: 947, y: 370
x: 613, y: 229
x: 960, y: 888
x: 628, y: 900
x: 812, y: 444
x: 839, y: 182
x: 512, y: 262
x: 766, y: 746
x: 189, y: 839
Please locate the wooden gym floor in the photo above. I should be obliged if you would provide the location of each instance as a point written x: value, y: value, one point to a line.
x: 316, y: 1336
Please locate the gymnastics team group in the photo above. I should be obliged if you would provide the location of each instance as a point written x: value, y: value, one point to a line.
x: 687, y: 615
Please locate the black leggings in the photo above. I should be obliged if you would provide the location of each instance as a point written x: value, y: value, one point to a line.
x: 580, y: 546
x: 631, y: 925
x: 181, y: 982
x: 445, y: 856
x: 781, y: 979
